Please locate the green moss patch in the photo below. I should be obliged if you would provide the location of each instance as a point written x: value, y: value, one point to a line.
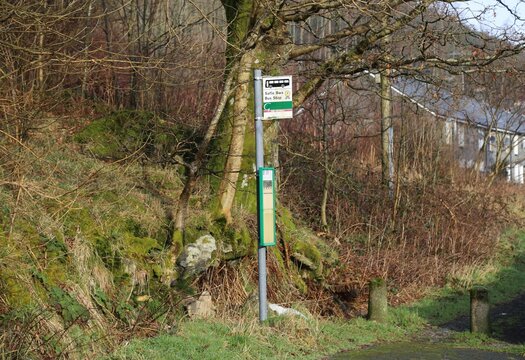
x: 127, y: 132
x: 70, y: 310
x: 138, y: 246
x: 14, y: 291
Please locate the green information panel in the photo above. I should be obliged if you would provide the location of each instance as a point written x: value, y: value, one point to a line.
x: 266, y: 193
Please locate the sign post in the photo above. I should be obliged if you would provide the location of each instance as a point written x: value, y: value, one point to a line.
x: 277, y: 93
x: 273, y: 100
x: 259, y: 163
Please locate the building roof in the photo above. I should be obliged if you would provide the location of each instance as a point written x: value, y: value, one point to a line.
x: 442, y: 103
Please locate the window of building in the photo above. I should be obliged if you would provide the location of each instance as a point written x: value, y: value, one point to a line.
x: 461, y: 135
x: 448, y: 131
x: 506, y: 144
x: 492, y: 143
x: 481, y: 139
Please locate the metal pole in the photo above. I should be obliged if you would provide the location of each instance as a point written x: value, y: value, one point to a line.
x: 259, y: 156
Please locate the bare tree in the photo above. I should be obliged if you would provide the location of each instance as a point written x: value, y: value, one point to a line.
x: 258, y: 36
x: 156, y: 56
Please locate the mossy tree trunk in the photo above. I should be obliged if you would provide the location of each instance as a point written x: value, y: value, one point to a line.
x: 193, y: 168
x: 271, y: 148
x: 238, y: 17
x: 237, y: 185
x: 257, y: 34
x: 237, y: 154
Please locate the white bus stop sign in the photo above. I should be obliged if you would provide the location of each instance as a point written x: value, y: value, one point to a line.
x: 277, y: 97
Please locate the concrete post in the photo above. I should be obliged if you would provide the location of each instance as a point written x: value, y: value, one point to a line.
x: 377, y: 300
x: 479, y: 311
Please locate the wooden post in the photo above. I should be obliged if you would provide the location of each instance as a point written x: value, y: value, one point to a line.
x: 479, y: 311
x: 377, y: 300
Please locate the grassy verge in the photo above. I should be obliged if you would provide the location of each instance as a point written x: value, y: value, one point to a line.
x: 282, y: 338
x: 504, y: 278
x: 305, y: 339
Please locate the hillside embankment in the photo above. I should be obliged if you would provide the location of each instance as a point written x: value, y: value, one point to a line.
x: 435, y: 327
x: 89, y: 257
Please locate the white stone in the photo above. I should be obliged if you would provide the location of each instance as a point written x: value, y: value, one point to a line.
x: 281, y: 310
x: 202, y: 307
x: 196, y: 257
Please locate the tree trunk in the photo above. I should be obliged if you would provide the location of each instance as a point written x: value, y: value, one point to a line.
x: 241, y: 115
x: 194, y: 168
x: 326, y: 175
x: 87, y: 43
x: 40, y: 60
x: 271, y: 139
x: 387, y: 151
x: 111, y: 90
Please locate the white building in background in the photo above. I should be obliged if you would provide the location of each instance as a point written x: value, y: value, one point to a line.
x: 485, y: 137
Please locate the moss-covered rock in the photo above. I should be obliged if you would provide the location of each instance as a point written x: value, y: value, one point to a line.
x: 241, y: 243
x: 138, y: 247
x: 236, y: 240
x: 69, y: 308
x: 307, y: 256
x: 308, y: 252
x: 127, y: 132
x: 66, y: 305
x: 80, y: 220
x: 198, y: 256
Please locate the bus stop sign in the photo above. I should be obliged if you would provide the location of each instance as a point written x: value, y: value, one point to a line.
x: 277, y: 97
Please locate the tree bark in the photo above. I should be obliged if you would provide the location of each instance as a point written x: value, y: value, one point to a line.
x: 271, y: 139
x: 387, y: 165
x: 326, y: 173
x: 194, y: 168
x: 87, y: 43
x: 40, y: 61
x: 112, y: 88
x: 241, y: 114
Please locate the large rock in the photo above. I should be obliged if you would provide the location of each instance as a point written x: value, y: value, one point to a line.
x: 201, y: 308
x: 196, y: 257
x: 304, y: 261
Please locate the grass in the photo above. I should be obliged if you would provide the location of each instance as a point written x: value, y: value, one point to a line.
x: 309, y: 339
x: 484, y: 342
x: 504, y: 278
x: 282, y: 338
